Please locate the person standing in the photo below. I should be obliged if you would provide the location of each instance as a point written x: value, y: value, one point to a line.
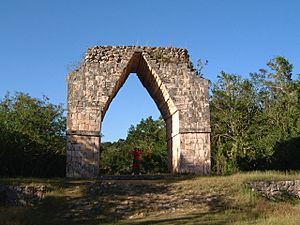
x: 137, y: 159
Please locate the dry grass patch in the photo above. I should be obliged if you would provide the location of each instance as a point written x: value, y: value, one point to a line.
x: 187, y: 200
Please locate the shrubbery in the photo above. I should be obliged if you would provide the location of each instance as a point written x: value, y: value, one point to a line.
x: 150, y: 136
x: 32, y: 137
x: 256, y: 121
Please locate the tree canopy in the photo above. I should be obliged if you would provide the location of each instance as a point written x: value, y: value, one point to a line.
x: 150, y: 136
x: 256, y: 121
x: 32, y: 137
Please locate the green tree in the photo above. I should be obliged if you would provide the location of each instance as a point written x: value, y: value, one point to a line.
x: 115, y: 158
x: 233, y: 107
x: 150, y: 136
x: 32, y: 140
x: 280, y: 121
x: 254, y: 121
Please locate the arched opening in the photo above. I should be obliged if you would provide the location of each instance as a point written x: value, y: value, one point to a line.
x: 131, y: 104
x: 133, y: 121
x: 157, y: 91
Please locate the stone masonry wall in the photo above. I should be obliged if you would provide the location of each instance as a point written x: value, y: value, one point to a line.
x: 168, y: 75
x: 277, y: 190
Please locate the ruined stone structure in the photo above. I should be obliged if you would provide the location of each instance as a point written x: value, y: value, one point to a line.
x: 277, y: 190
x: 168, y: 75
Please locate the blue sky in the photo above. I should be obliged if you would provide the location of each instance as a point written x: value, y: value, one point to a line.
x: 41, y: 40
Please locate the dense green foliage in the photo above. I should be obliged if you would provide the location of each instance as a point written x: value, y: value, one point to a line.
x: 256, y: 121
x: 150, y: 136
x: 32, y: 139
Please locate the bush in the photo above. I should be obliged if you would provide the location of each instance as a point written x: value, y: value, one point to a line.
x: 32, y: 137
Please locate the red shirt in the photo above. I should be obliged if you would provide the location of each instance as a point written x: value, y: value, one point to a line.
x: 137, y: 154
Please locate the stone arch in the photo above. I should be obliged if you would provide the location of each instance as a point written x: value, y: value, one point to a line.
x: 167, y: 73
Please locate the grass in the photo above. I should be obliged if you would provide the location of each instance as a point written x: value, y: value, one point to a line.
x: 212, y: 200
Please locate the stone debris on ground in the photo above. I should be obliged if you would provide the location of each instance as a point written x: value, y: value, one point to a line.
x: 21, y: 195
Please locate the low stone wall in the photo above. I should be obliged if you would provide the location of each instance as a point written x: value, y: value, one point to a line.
x: 277, y: 190
x: 21, y: 194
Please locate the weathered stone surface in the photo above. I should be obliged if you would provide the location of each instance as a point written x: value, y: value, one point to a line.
x: 21, y: 194
x: 277, y: 190
x: 169, y: 77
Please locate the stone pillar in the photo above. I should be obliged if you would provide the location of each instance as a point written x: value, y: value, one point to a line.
x: 173, y: 142
x: 195, y: 153
x: 83, y: 155
x: 83, y: 139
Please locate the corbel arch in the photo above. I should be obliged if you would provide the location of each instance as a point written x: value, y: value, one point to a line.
x: 167, y: 75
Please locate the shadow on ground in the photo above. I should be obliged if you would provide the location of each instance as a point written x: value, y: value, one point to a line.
x: 123, y: 202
